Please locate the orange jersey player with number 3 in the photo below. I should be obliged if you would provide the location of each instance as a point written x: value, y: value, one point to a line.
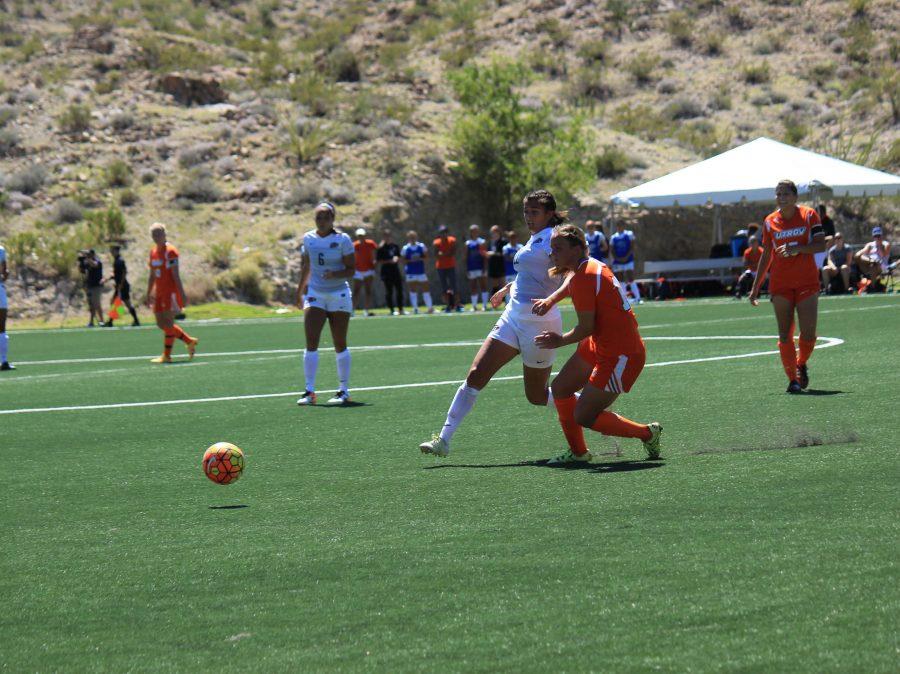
x: 610, y: 353
x: 169, y: 293
x: 792, y: 235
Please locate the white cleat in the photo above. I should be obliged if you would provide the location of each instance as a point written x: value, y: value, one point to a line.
x: 652, y: 445
x: 437, y: 446
x: 570, y: 457
x: 339, y: 398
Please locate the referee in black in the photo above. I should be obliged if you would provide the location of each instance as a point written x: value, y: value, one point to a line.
x: 122, y: 287
x: 387, y: 257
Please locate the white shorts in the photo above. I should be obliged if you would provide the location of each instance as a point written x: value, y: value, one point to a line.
x: 330, y: 300
x: 3, y: 300
x: 820, y: 259
x: 360, y: 275
x: 417, y: 278
x: 520, y: 333
x: 474, y: 274
x: 624, y: 266
x: 511, y: 278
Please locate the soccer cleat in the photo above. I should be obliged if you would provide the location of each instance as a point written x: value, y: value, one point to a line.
x: 794, y: 387
x: 571, y: 457
x: 308, y: 398
x: 803, y: 376
x: 192, y: 348
x: 339, y: 398
x: 161, y: 359
x: 652, y: 445
x: 437, y: 446
x: 6, y: 366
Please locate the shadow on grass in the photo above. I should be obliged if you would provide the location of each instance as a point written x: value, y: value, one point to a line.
x: 352, y: 403
x: 821, y: 392
x: 229, y: 507
x: 596, y: 467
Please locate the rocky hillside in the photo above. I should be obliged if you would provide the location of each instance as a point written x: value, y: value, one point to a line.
x: 229, y: 119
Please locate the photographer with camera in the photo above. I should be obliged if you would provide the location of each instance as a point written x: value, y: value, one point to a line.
x: 91, y: 269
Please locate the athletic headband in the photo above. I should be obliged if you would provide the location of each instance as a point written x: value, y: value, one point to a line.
x: 328, y: 205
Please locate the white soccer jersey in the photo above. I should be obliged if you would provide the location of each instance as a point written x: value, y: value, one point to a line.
x: 533, y: 282
x: 326, y: 253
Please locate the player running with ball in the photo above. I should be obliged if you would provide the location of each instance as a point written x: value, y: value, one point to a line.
x: 610, y: 353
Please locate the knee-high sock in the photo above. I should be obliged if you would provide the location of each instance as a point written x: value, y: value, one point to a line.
x: 610, y: 423
x: 414, y: 300
x: 565, y: 408
x: 462, y: 404
x: 635, y: 290
x: 788, y: 358
x: 181, y: 334
x: 4, y: 347
x: 806, y: 349
x: 427, y: 297
x: 133, y: 313
x: 484, y: 298
x: 310, y: 367
x: 168, y: 340
x: 343, y: 368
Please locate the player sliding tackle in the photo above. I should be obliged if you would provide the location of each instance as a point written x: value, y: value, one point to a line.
x: 610, y: 353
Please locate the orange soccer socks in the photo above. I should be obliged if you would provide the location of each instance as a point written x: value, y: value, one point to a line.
x: 789, y: 358
x: 806, y: 349
x: 565, y: 408
x: 181, y: 334
x: 610, y: 423
x: 168, y: 340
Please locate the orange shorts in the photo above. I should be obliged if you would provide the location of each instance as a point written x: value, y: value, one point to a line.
x: 169, y: 301
x: 616, y: 373
x: 794, y: 295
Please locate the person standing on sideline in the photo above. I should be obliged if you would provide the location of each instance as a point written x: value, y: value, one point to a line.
x: 828, y: 228
x: 445, y: 264
x: 596, y: 240
x: 751, y: 256
x: 791, y: 236
x: 496, y: 268
x: 4, y: 307
x: 387, y: 259
x: 91, y: 268
x: 414, y: 254
x: 169, y: 298
x: 837, y: 261
x: 364, y: 250
x: 509, y: 255
x: 476, y: 254
x: 326, y: 266
x: 122, y: 288
x: 621, y: 245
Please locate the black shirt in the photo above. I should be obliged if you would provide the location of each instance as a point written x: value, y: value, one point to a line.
x: 94, y: 276
x: 386, y: 254
x: 828, y: 226
x: 496, y: 268
x: 119, y: 271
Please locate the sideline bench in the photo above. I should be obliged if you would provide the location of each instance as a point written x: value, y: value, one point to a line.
x: 719, y: 269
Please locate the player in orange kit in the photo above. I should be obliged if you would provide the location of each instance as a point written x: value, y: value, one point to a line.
x: 791, y: 237
x: 610, y: 353
x: 169, y: 295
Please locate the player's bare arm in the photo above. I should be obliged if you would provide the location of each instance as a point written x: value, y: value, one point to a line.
x: 304, y: 279
x: 791, y: 249
x: 553, y: 340
x: 761, y: 270
x: 498, y: 297
x: 347, y: 272
x: 148, y: 297
x: 177, y: 278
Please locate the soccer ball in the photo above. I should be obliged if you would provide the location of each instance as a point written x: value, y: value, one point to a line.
x: 223, y: 463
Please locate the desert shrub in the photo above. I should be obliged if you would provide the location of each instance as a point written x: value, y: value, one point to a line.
x: 197, y: 154
x: 162, y: 56
x: 198, y: 187
x: 858, y: 8
x: 703, y: 137
x: 642, y: 65
x: 795, y: 129
x: 680, y: 29
x: 588, y: 84
x: 861, y: 41
x: 22, y: 247
x: 712, y: 43
x: 8, y: 113
x: 612, y: 162
x: 122, y: 121
x: 768, y: 43
x: 105, y: 224
x: 66, y: 212
x: 304, y: 193
x: 640, y: 120
x: 312, y: 90
x: 354, y: 133
x: 27, y: 181
x: 594, y: 51
x: 147, y: 176
x: 9, y: 142
x: 30, y: 48
x: 342, y: 65
x: 756, y: 73
x: 618, y: 15
x: 556, y: 32
x: 117, y: 174
x: 821, y: 72
x: 338, y: 194
x: 75, y: 119
x: 246, y: 280
x: 219, y: 253
x: 128, y: 197
x: 109, y: 83
x: 721, y: 100
x: 683, y: 108
x: 667, y: 86
x: 889, y: 160
x: 307, y: 144
x: 736, y: 18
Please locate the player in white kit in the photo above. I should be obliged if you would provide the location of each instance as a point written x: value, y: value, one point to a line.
x: 517, y: 327
x: 4, y: 338
x: 327, y: 264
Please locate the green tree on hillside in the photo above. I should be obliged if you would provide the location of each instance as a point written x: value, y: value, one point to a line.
x: 505, y: 149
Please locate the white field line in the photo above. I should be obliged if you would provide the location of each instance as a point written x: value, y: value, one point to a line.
x: 90, y: 373
x: 828, y: 342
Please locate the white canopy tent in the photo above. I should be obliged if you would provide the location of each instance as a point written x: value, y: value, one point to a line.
x: 749, y: 173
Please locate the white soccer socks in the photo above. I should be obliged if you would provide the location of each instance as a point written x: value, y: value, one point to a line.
x: 635, y: 290
x: 427, y: 297
x: 343, y: 368
x: 462, y: 404
x: 310, y: 367
x: 4, y: 347
x: 484, y: 299
x: 414, y: 300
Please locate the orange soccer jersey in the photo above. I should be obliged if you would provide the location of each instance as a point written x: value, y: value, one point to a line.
x: 162, y: 264
x: 798, y: 271
x: 365, y: 254
x: 595, y: 288
x: 751, y: 257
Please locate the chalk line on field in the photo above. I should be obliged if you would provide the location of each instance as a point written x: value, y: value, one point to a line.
x: 828, y: 342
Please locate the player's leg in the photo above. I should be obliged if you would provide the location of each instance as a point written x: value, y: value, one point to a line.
x: 571, y: 379
x: 473, y: 291
x: 482, y: 281
x: 845, y: 275
x: 339, y: 322
x: 367, y: 287
x: 426, y: 295
x: 178, y: 332
x: 784, y: 316
x: 632, y: 285
x: 807, y: 318
x: 4, y: 339
x: 492, y: 356
x: 313, y: 321
x: 165, y: 321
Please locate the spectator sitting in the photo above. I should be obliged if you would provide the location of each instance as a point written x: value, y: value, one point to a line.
x: 838, y: 260
x: 751, y: 261
x: 873, y: 258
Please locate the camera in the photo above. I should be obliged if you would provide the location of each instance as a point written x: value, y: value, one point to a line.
x: 84, y: 256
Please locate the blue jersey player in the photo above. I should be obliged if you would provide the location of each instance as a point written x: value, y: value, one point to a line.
x: 476, y: 254
x: 621, y: 247
x: 413, y: 255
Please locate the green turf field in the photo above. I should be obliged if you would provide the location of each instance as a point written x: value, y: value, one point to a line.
x: 765, y: 539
